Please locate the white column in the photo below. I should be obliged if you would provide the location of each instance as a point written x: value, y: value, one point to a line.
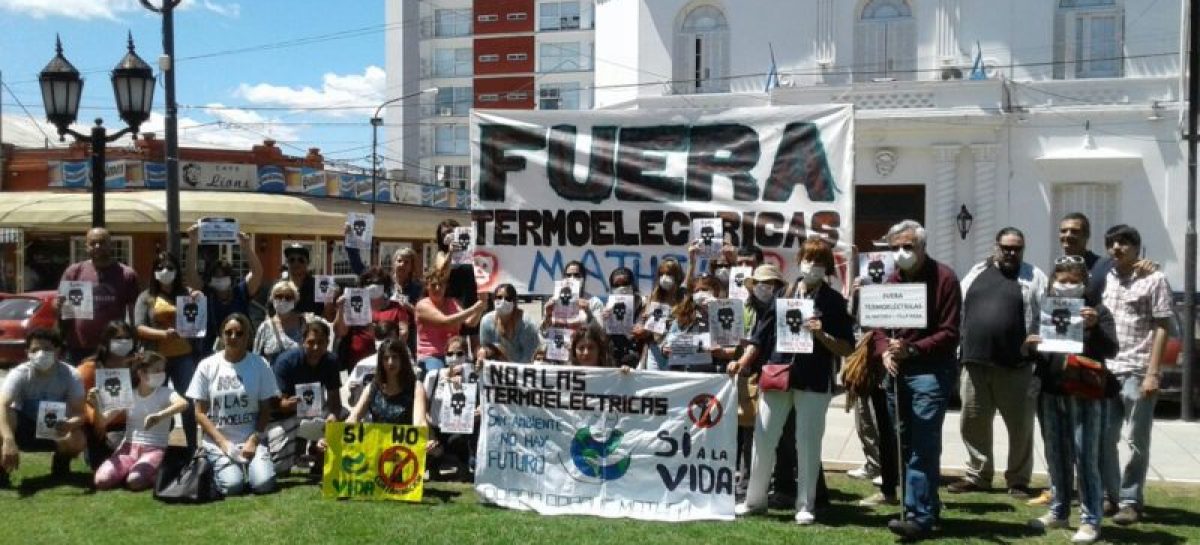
x: 984, y: 229
x: 947, y: 31
x: 940, y: 219
x: 826, y: 48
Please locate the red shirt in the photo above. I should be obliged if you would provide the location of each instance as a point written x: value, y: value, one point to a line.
x: 362, y: 338
x: 114, y: 289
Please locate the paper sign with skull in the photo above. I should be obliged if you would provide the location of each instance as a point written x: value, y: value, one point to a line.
x: 657, y: 316
x: 356, y: 307
x: 690, y: 349
x: 726, y: 321
x: 457, y: 411
x: 710, y: 232
x: 362, y: 230
x: 620, y: 315
x: 558, y: 344
x: 115, y: 389
x: 462, y: 245
x: 49, y: 414
x: 875, y: 267
x: 311, y: 400
x: 191, y: 316
x: 791, y: 336
x: 77, y: 300
x: 1061, y: 325
x: 566, y: 299
x: 737, y: 282
x: 324, y: 288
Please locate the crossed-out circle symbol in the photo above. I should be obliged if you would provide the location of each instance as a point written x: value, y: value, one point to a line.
x: 705, y: 410
x: 398, y: 468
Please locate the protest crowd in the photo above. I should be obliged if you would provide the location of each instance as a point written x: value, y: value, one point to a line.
x: 254, y: 399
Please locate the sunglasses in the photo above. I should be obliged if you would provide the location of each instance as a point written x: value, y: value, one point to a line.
x: 1068, y: 259
x: 1010, y: 249
x: 500, y: 298
x: 458, y: 353
x: 299, y: 260
x: 897, y: 247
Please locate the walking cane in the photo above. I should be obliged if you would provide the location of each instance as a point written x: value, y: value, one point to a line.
x: 901, y: 478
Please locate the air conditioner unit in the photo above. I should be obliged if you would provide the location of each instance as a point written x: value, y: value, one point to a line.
x: 951, y: 73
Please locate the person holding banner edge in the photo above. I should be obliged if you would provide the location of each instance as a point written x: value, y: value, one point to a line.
x: 921, y: 364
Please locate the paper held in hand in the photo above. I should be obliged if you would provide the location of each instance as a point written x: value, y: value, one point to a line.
x: 218, y: 230
x: 324, y: 288
x: 726, y: 321
x: 620, y: 315
x: 566, y: 298
x: 1061, y: 326
x: 710, y: 233
x: 77, y: 303
x: 657, y: 315
x: 191, y: 316
x: 457, y: 411
x: 893, y: 306
x: 558, y: 344
x: 50, y: 413
x: 689, y: 349
x: 791, y: 334
x: 356, y: 307
x: 362, y: 230
x: 462, y: 245
x: 737, y: 282
x: 115, y: 389
x: 311, y: 400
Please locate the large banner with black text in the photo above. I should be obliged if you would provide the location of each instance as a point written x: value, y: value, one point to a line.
x: 631, y: 188
x: 650, y: 445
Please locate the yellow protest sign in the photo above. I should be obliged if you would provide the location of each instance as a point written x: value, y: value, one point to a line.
x: 374, y: 462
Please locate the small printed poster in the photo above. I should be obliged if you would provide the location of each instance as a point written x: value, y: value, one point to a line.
x: 218, y: 230
x: 620, y: 315
x: 312, y: 400
x: 566, y: 299
x: 726, y: 321
x: 77, y: 300
x: 898, y: 306
x: 362, y: 230
x: 191, y: 316
x: 50, y: 413
x: 462, y: 245
x: 657, y: 316
x: 558, y: 344
x: 115, y: 388
x: 875, y: 267
x: 791, y: 337
x: 737, y: 282
x: 363, y: 373
x: 356, y: 308
x: 690, y: 349
x: 1061, y: 325
x: 709, y: 232
x: 457, y: 414
x: 324, y: 288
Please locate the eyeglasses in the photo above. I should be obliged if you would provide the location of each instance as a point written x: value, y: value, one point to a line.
x: 1069, y: 259
x: 458, y: 353
x: 716, y: 266
x: 906, y: 247
x: 573, y: 275
x: 1010, y: 249
x: 234, y: 333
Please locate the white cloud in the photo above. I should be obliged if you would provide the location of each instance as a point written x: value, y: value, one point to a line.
x: 338, y: 92
x: 112, y: 10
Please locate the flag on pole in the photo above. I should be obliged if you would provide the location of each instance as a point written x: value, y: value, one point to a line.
x: 977, y: 70
x: 772, y: 74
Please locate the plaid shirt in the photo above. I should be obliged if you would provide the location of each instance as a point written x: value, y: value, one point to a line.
x: 1135, y: 303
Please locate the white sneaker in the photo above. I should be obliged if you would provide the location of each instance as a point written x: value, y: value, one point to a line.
x: 743, y: 509
x: 1086, y: 534
x: 861, y: 473
x: 805, y: 518
x: 1047, y: 522
x: 877, y: 481
x: 878, y: 499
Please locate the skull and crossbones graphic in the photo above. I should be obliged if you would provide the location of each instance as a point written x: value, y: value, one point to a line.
x: 50, y: 419
x: 458, y: 402
x: 356, y: 303
x: 559, y: 341
x: 795, y: 319
x: 739, y: 279
x: 725, y: 318
x: 565, y: 295
x: 464, y: 241
x: 706, y: 235
x: 323, y: 285
x: 112, y: 385
x: 618, y: 310
x: 75, y: 295
x: 1061, y: 318
x: 656, y: 314
x: 190, y: 311
x: 875, y: 271
x: 359, y: 226
x: 309, y: 396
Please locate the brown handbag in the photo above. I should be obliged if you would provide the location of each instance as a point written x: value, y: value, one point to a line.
x: 775, y: 377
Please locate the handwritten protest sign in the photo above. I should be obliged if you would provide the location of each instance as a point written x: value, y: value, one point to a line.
x: 898, y: 306
x: 374, y: 462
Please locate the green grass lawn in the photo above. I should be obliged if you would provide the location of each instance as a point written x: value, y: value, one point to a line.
x: 36, y: 512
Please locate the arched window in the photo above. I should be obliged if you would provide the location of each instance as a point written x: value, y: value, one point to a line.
x: 701, y: 63
x: 1089, y: 39
x: 885, y: 41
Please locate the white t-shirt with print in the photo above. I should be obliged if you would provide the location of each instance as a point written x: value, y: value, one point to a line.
x: 135, y: 427
x: 233, y: 391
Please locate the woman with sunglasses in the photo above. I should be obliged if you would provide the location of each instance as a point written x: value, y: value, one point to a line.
x: 117, y: 348
x: 440, y: 318
x: 282, y: 331
x: 154, y: 316
x: 233, y: 391
x: 226, y: 292
x: 507, y: 327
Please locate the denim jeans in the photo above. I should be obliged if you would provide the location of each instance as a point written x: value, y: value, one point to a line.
x: 1071, y: 433
x: 180, y: 370
x: 922, y: 410
x: 1129, y: 409
x: 232, y: 477
x: 430, y: 363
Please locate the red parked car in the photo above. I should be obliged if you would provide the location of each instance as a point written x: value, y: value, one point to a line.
x: 19, y: 314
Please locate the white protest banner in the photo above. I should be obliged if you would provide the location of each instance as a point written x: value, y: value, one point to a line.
x: 362, y: 230
x: 558, y: 344
x: 657, y: 316
x: 875, y: 267
x: 457, y: 408
x: 218, y: 230
x: 726, y: 321
x: 710, y: 233
x: 566, y: 298
x: 689, y: 349
x: 77, y: 300
x: 791, y: 336
x: 191, y: 316
x: 49, y: 414
x: 311, y: 400
x: 1061, y: 325
x: 893, y: 306
x: 620, y: 316
x: 323, y: 288
x: 356, y: 308
x: 737, y: 282
x: 653, y: 445
x: 115, y: 388
x: 620, y: 188
x: 462, y: 245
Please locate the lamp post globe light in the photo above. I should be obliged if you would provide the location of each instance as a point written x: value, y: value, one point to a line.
x: 133, y: 85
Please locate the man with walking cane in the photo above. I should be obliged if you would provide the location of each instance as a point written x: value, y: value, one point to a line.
x: 920, y: 362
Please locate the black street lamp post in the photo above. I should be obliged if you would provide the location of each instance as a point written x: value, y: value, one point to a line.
x: 133, y: 85
x: 377, y: 122
x: 171, y: 121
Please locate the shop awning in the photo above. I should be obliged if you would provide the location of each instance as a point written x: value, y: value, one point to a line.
x: 146, y: 212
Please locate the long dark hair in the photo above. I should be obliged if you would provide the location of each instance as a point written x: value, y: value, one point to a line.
x: 112, y: 329
x: 394, y: 348
x: 600, y: 339
x: 440, y: 237
x: 167, y: 258
x: 375, y: 275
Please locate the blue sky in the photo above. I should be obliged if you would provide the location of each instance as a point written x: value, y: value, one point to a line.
x: 232, y: 99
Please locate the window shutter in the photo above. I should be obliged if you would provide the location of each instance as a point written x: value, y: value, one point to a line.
x: 870, y: 50
x: 902, y: 49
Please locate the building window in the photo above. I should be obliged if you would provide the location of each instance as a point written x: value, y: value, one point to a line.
x: 452, y: 22
x: 560, y: 96
x: 885, y: 42
x: 518, y: 16
x: 489, y: 97
x: 454, y: 101
x: 453, y: 176
x: 517, y: 96
x: 451, y: 140
x: 565, y: 56
x: 560, y: 16
x: 516, y: 57
x: 122, y: 249
x: 489, y: 18
x: 1096, y: 201
x: 1089, y: 39
x: 701, y: 61
x: 453, y: 62
x: 492, y: 57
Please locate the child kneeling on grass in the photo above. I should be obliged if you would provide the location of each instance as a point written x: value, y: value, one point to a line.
x: 136, y: 461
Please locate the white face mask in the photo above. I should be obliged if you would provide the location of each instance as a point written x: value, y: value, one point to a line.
x: 156, y: 379
x: 764, y: 292
x: 165, y: 276
x: 453, y: 360
x: 722, y: 275
x: 905, y: 259
x: 42, y: 359
x: 666, y: 282
x: 375, y: 291
x: 220, y: 283
x: 283, y: 306
x: 504, y: 308
x: 1067, y: 290
x: 812, y: 274
x: 120, y: 347
x: 701, y: 298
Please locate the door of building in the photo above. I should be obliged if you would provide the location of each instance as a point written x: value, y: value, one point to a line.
x: 878, y: 207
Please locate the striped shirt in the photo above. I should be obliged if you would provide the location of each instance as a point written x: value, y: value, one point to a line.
x: 1135, y: 303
